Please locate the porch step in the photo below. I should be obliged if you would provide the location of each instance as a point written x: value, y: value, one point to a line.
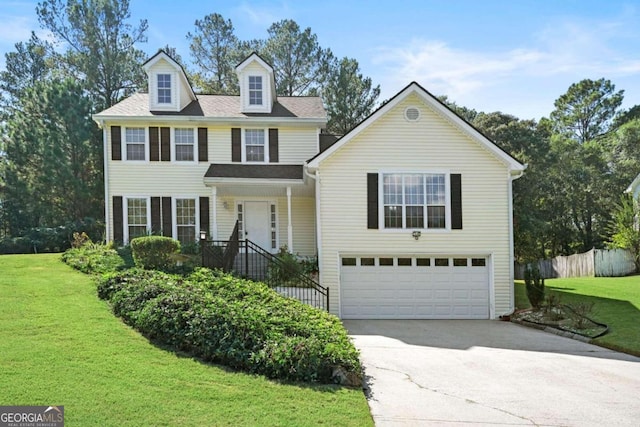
x: 252, y: 266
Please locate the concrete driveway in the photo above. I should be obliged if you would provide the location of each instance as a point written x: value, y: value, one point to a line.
x: 469, y: 372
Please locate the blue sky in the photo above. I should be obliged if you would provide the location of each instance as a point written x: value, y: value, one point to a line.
x: 511, y: 56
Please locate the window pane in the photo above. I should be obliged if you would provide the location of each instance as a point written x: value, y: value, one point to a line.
x: 415, y: 217
x: 137, y: 217
x: 459, y: 262
x: 184, y: 144
x: 348, y: 261
x: 255, y: 90
x: 435, y: 217
x: 184, y: 136
x: 414, y: 189
x: 435, y: 189
x: 392, y: 189
x: 135, y: 152
x: 404, y: 262
x: 254, y: 145
x: 164, y: 88
x: 135, y: 143
x: 367, y: 261
x: 186, y: 220
x: 386, y: 261
x: 393, y: 216
x: 136, y: 231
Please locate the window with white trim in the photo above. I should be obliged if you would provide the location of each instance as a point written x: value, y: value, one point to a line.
x: 274, y: 224
x: 136, y: 143
x: 186, y: 220
x: 137, y: 217
x: 184, y: 143
x: 414, y: 200
x: 255, y: 90
x: 254, y: 145
x: 164, y: 88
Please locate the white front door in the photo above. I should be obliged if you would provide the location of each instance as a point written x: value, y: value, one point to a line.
x: 257, y: 223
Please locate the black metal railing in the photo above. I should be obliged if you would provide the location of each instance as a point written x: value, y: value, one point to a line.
x: 246, y: 259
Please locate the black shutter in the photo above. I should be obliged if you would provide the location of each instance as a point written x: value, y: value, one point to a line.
x: 165, y: 144
x: 167, y: 224
x: 204, y: 215
x: 116, y: 143
x: 372, y: 200
x: 156, y: 224
x: 202, y: 145
x: 118, y: 234
x: 273, y: 145
x: 456, y: 201
x: 236, y: 145
x: 154, y: 144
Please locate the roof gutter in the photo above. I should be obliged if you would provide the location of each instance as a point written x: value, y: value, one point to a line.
x: 207, y: 119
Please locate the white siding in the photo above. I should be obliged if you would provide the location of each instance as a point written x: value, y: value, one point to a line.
x: 303, y: 214
x: 297, y: 145
x: 428, y: 144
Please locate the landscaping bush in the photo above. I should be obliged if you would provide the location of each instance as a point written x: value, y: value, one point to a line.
x: 93, y: 258
x: 51, y: 239
x: 154, y: 252
x: 238, y: 323
x: 534, y: 283
x: 286, y: 271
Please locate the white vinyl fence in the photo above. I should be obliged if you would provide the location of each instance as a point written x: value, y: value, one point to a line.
x: 596, y: 262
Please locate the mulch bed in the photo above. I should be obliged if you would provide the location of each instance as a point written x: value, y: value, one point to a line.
x: 563, y: 318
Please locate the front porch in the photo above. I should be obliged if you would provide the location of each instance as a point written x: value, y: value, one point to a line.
x: 274, y: 206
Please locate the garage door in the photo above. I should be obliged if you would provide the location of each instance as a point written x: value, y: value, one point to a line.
x: 418, y: 287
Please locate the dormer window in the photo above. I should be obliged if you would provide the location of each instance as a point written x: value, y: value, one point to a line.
x: 164, y: 88
x: 255, y: 90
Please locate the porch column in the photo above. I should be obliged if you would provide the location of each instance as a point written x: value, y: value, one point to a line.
x: 214, y: 213
x: 289, y: 224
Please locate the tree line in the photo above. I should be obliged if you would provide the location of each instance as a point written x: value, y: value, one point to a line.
x: 580, y: 158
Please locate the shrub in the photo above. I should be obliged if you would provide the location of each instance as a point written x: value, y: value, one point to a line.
x: 534, y: 283
x: 92, y: 258
x: 154, y: 252
x: 238, y: 323
x: 284, y: 271
x: 51, y: 239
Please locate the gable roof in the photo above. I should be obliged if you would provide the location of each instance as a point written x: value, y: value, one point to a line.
x: 254, y: 57
x: 218, y: 107
x: 440, y: 108
x: 633, y: 186
x: 161, y: 54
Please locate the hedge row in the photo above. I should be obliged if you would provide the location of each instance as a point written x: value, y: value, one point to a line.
x: 51, y: 239
x: 234, y: 322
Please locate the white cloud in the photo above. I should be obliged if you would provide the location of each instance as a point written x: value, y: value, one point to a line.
x: 264, y: 16
x: 534, y: 74
x: 15, y: 29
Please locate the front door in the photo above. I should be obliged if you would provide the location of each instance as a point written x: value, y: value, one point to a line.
x: 257, y: 223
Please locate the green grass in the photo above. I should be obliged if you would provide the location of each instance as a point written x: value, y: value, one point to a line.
x: 617, y: 303
x: 61, y: 345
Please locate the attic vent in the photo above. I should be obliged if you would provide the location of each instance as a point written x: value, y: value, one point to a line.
x: 412, y: 114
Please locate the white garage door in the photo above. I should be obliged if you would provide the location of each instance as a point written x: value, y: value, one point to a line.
x: 418, y: 287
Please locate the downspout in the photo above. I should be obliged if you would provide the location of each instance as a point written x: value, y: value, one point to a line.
x: 107, y: 206
x: 316, y: 177
x: 512, y: 303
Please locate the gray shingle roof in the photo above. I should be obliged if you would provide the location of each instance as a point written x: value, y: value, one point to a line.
x: 220, y: 106
x: 238, y: 170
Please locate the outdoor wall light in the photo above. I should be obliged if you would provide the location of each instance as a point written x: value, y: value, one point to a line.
x: 203, y: 235
x: 416, y: 234
x: 225, y: 205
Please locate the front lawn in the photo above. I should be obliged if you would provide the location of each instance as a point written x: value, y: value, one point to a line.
x: 61, y: 345
x: 617, y: 303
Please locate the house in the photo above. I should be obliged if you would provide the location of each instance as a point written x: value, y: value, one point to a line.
x: 634, y: 188
x: 409, y: 213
